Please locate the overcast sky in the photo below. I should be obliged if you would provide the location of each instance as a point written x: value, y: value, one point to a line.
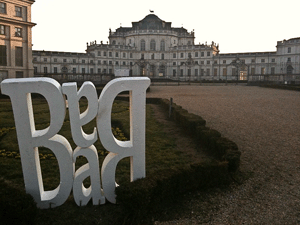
x: 236, y: 25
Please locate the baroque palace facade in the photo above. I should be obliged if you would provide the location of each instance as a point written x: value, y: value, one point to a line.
x: 153, y: 48
x: 15, y: 39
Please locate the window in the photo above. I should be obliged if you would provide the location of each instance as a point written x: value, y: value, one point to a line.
x: 104, y: 62
x: 55, y: 69
x: 190, y: 55
x: 262, y: 60
x: 263, y: 71
x: 19, y: 74
x: 2, y: 7
x: 99, y: 62
x: 124, y: 55
x: 202, y: 62
x: 45, y: 59
x: 2, y: 29
x: 3, y: 56
x: 208, y: 53
x: 45, y: 70
x: 124, y: 63
x: 196, y: 72
x: 174, y: 55
x: 91, y: 61
x: 83, y: 61
x: 196, y: 54
x: 65, y: 60
x: 181, y: 55
x: 252, y: 60
x: 252, y: 71
x: 143, y: 45
x: 289, y: 49
x: 152, y: 56
x: 215, y: 62
x: 117, y: 62
x: 289, y: 59
x: 162, y: 45
x: 83, y: 70
x: 207, y: 62
x: 19, y: 56
x: 18, y: 32
x: 272, y: 70
x: 104, y: 53
x: 99, y: 53
x: 131, y: 55
x: 18, y: 11
x: 117, y: 54
x: 110, y: 54
x: 110, y: 71
x: 215, y: 71
x: 202, y: 54
x: 174, y: 73
x: 74, y: 60
x: 152, y: 45
x: 110, y: 62
x: 99, y: 70
x: 273, y: 60
x: 181, y: 72
x: 55, y: 59
x: 174, y: 63
x: 207, y: 72
x: 189, y: 72
x: 104, y: 71
x: 74, y: 70
x: 34, y: 59
x: 224, y: 71
x: 202, y: 72
x: 35, y: 70
x: 162, y: 56
x: 224, y: 61
x: 142, y: 56
x: 91, y: 71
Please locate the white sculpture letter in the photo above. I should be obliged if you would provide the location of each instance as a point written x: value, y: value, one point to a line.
x: 82, y: 195
x: 30, y: 139
x: 77, y: 120
x: 135, y: 148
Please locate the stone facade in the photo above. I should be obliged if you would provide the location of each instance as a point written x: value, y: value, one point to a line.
x: 15, y: 39
x: 153, y: 48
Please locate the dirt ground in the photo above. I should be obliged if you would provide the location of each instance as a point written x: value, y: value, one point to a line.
x: 265, y: 124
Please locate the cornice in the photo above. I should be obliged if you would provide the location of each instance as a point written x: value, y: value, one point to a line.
x: 17, y: 21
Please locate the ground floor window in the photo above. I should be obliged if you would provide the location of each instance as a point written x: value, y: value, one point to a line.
x: 19, y: 74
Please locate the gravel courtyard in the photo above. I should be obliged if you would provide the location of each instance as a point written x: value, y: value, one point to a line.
x: 265, y: 124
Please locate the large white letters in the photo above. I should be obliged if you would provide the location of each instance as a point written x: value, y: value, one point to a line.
x: 30, y: 139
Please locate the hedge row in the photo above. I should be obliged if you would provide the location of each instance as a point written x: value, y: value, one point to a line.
x: 282, y: 86
x: 220, y: 147
x: 146, y: 197
x: 16, y: 207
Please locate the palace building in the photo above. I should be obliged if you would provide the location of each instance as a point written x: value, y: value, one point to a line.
x: 152, y: 47
x: 15, y: 39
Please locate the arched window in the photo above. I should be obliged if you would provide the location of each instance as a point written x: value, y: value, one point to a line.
x: 152, y: 45
x: 114, y: 42
x: 143, y: 45
x: 162, y: 45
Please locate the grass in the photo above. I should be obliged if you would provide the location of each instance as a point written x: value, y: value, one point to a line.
x: 160, y: 155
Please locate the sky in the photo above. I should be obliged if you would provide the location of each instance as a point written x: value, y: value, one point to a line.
x: 236, y: 25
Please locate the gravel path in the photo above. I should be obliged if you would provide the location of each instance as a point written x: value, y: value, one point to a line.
x: 265, y: 124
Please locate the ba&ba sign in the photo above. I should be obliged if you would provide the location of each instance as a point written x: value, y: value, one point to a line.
x: 30, y: 139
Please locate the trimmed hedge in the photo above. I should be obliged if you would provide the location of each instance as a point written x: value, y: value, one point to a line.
x: 16, y: 207
x: 147, y: 196
x: 220, y: 147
